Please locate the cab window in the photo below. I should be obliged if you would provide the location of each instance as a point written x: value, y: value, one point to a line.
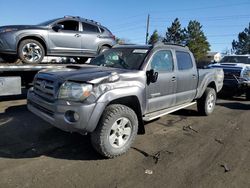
x: 162, y: 61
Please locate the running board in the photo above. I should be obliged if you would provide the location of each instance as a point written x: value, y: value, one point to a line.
x: 157, y: 114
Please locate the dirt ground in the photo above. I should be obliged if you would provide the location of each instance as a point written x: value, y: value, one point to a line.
x: 178, y: 150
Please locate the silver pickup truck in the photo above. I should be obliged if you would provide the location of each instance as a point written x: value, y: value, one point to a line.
x: 113, y: 95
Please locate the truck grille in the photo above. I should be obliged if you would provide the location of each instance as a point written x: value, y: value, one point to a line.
x: 45, y: 89
x: 231, y: 73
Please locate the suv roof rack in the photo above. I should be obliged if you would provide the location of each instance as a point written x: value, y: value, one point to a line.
x: 68, y: 16
x: 87, y: 20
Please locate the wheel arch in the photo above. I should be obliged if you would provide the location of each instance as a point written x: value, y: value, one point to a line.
x: 34, y: 37
x: 133, y: 103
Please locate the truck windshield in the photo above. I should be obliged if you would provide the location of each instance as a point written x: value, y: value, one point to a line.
x: 236, y: 59
x: 124, y: 58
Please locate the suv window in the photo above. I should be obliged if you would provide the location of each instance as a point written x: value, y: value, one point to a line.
x: 184, y: 60
x: 70, y: 25
x: 162, y: 61
x: 90, y: 28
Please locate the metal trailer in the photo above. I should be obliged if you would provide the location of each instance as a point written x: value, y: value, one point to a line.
x: 15, y: 77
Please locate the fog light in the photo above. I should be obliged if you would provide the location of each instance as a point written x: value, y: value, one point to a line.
x: 72, y: 116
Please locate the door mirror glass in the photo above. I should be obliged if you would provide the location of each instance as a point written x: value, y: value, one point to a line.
x: 152, y: 76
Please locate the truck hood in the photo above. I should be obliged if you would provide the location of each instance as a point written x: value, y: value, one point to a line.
x: 83, y: 73
x: 230, y: 65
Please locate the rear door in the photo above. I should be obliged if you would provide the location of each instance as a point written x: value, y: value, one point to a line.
x: 161, y: 94
x: 67, y: 40
x: 187, y: 77
x: 90, y: 37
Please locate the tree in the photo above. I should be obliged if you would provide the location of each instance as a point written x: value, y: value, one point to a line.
x: 154, y: 38
x: 196, y: 40
x: 174, y: 33
x: 242, y: 46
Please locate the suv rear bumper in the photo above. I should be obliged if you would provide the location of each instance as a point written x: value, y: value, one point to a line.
x: 56, y: 113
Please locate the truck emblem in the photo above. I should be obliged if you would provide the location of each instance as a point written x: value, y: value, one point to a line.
x: 43, y: 85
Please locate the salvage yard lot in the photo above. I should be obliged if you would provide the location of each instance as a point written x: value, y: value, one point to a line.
x: 178, y: 150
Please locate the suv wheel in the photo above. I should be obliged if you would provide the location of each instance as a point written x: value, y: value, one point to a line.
x: 116, y: 131
x: 103, y: 49
x: 206, y: 103
x: 31, y: 51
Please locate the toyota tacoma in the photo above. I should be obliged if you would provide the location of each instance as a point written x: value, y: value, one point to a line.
x: 113, y: 95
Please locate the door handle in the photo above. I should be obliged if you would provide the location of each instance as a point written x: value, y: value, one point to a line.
x: 194, y: 76
x: 173, y: 79
x: 77, y: 35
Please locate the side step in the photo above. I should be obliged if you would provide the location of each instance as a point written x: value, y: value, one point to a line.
x: 157, y: 114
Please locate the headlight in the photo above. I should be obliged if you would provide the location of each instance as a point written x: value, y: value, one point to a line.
x: 7, y: 30
x: 246, y: 74
x: 74, y: 91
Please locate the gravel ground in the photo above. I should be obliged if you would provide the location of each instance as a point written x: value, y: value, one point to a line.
x: 178, y: 150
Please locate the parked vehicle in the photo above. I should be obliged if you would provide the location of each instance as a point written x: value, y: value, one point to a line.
x: 68, y: 37
x: 237, y: 74
x: 117, y: 91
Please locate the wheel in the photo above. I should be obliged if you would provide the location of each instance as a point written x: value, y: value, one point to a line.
x: 9, y: 58
x: 248, y: 94
x: 103, y: 49
x: 81, y: 60
x: 31, y: 51
x: 206, y: 103
x: 116, y: 131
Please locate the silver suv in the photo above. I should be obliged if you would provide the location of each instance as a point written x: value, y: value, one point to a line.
x: 68, y: 36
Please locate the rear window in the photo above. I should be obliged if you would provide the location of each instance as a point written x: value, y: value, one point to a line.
x: 90, y: 28
x: 184, y: 60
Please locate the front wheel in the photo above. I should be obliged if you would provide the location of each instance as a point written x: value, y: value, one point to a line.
x: 206, y: 103
x: 116, y: 131
x: 31, y: 51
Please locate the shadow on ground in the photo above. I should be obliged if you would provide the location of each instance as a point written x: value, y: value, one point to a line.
x: 23, y: 135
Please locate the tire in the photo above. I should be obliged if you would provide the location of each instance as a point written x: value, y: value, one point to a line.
x: 103, y: 49
x: 248, y: 94
x: 9, y: 58
x: 206, y: 103
x: 116, y: 131
x: 31, y: 51
x: 81, y: 60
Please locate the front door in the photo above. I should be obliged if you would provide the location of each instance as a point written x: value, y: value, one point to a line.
x: 67, y: 40
x: 161, y: 94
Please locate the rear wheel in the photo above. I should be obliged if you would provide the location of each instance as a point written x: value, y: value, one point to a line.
x: 116, y: 131
x: 103, y: 49
x: 31, y: 51
x: 206, y: 103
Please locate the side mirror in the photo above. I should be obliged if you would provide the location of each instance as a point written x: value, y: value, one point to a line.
x: 57, y: 27
x: 152, y: 76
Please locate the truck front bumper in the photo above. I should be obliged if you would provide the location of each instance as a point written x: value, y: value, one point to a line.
x: 236, y: 86
x: 65, y: 115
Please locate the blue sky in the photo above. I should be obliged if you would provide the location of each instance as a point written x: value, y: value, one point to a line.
x: 221, y: 20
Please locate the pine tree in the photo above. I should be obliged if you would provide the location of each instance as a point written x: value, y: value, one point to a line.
x: 174, y: 33
x: 154, y: 38
x: 242, y: 46
x: 196, y: 40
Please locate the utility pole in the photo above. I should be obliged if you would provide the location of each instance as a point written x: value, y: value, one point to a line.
x: 147, y: 29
